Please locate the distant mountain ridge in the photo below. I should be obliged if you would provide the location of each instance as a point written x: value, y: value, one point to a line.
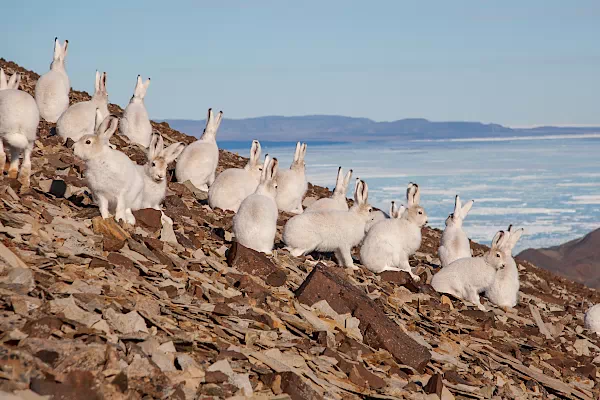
x: 340, y: 128
x: 578, y: 260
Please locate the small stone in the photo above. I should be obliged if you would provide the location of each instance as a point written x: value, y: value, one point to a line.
x: 148, y: 219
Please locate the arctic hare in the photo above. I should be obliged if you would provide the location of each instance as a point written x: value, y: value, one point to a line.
x: 19, y: 119
x: 116, y: 181
x: 337, y: 201
x: 135, y: 123
x: 79, y: 119
x: 233, y: 185
x: 467, y: 277
x: 52, y: 89
x: 292, y: 184
x: 330, y: 230
x: 255, y: 223
x: 198, y: 162
x: 455, y: 243
x: 504, y: 292
x: 391, y: 242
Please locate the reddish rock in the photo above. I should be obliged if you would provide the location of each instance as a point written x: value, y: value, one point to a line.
x: 435, y: 385
x: 112, y: 244
x: 250, y: 261
x: 297, y: 387
x: 276, y: 278
x: 377, y: 329
x: 215, y: 377
x: 120, y: 260
x: 78, y: 386
x: 148, y: 218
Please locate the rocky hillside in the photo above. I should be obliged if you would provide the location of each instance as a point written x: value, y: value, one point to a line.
x: 578, y: 259
x: 90, y: 309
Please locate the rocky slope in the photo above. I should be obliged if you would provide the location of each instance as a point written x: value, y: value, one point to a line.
x: 90, y: 309
x: 578, y: 259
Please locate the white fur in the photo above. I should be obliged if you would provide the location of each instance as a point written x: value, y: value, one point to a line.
x: 455, y: 243
x: 292, y: 184
x: 154, y: 172
x: 337, y: 201
x: 116, y: 181
x: 52, y: 89
x: 389, y: 243
x: 79, y: 119
x: 135, y: 123
x: 467, y: 277
x: 504, y: 292
x: 19, y: 119
x: 198, y: 162
x: 592, y: 319
x: 330, y: 230
x: 255, y: 223
x: 376, y: 216
x: 233, y: 185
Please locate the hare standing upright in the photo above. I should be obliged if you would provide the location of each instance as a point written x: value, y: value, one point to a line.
x: 233, y: 185
x: 255, y: 223
x: 135, y: 123
x: 391, y: 242
x: 79, y: 119
x: 330, y: 230
x: 337, y: 201
x: 155, y: 172
x: 465, y: 278
x: 198, y: 162
x: 19, y: 119
x: 455, y: 243
x: 292, y: 184
x: 116, y: 181
x: 504, y: 292
x: 52, y: 89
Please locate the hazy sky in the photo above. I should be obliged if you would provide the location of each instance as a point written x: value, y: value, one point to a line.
x: 517, y: 63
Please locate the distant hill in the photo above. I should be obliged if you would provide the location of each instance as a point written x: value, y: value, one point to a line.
x: 339, y: 128
x: 578, y: 260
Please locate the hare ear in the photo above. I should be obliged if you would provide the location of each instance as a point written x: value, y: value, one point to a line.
x: 514, y: 238
x: 146, y: 85
x: 173, y: 151
x: 357, y: 191
x: 347, y: 178
x: 400, y: 211
x: 103, y: 82
x: 255, y: 151
x: 111, y: 123
x: 14, y: 81
x: 457, y: 207
x: 152, y: 150
x: 97, y: 83
x: 339, y: 180
x: 417, y: 195
x: 138, y: 86
x: 466, y: 208
x: 272, y: 169
x: 263, y: 174
x: 65, y: 48
x: 410, y: 194
x: 98, y: 120
x: 3, y: 81
x: 364, y: 193
x: 57, y: 49
x: 393, y: 210
x: 297, y: 151
x: 498, y: 239
x: 303, y: 152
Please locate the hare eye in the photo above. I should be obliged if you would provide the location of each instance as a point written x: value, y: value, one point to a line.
x: 88, y: 142
x: 153, y: 164
x: 498, y: 255
x: 420, y: 212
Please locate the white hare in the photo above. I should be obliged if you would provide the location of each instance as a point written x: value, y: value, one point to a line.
x: 19, y: 119
x: 337, y: 201
x: 504, y: 292
x: 135, y: 123
x: 292, y: 184
x: 330, y: 230
x: 455, y: 243
x: 233, y: 185
x: 116, y: 181
x: 255, y: 223
x: 391, y: 242
x: 52, y: 89
x: 79, y: 119
x: 592, y: 319
x: 155, y: 172
x: 198, y: 162
x: 467, y: 277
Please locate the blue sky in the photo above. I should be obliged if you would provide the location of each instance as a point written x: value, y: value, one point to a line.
x: 517, y: 63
